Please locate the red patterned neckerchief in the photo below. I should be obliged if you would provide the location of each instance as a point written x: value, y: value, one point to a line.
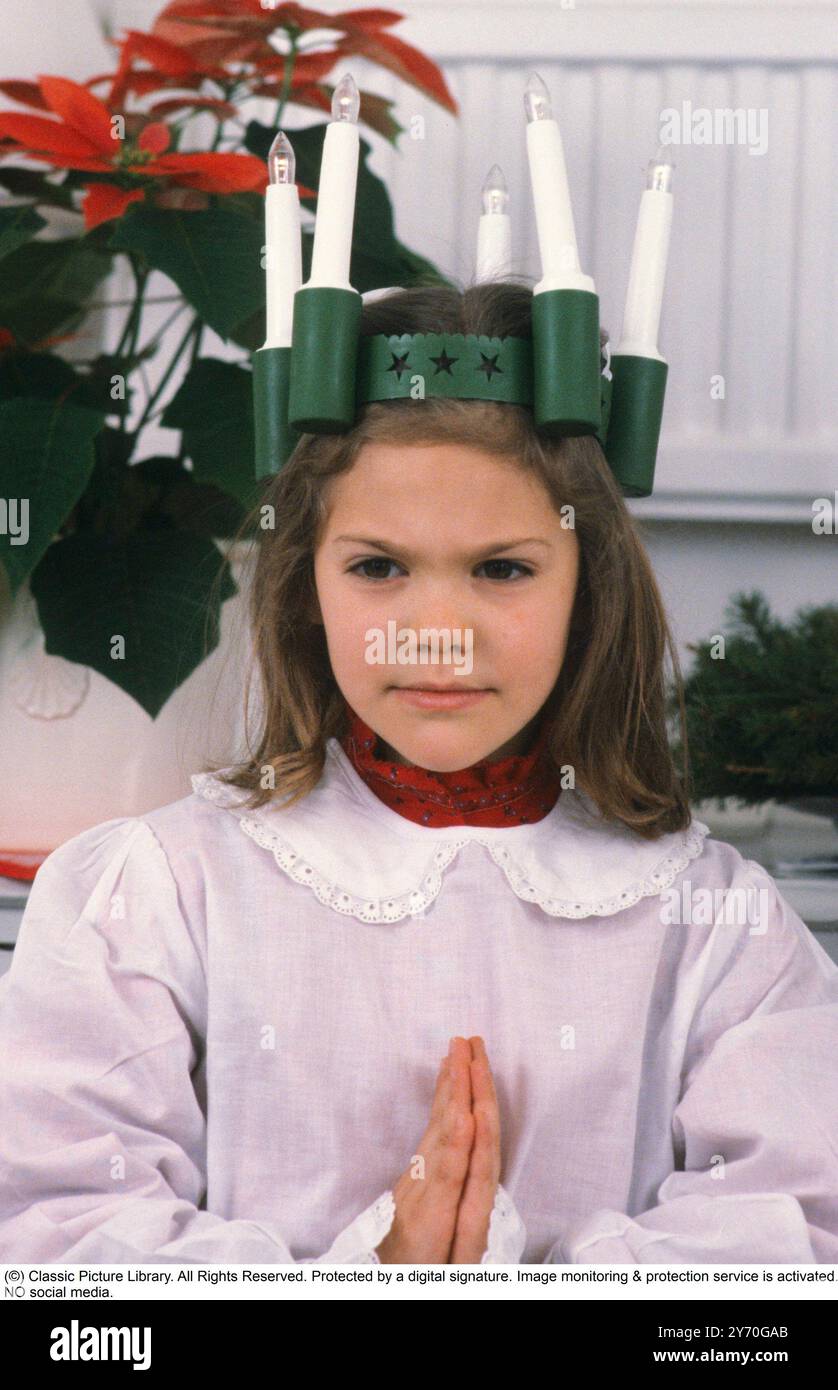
x: 514, y: 790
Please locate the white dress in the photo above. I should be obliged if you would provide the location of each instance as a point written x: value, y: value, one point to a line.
x: 221, y: 1032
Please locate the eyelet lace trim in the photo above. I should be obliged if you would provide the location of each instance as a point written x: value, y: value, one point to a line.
x: 660, y: 878
x: 507, y: 1232
x: 356, y: 1245
x: 415, y: 901
x: 378, y: 1219
x: 332, y: 895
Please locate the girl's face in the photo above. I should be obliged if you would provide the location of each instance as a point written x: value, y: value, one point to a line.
x: 445, y: 537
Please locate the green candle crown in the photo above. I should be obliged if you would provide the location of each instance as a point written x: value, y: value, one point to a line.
x: 321, y: 383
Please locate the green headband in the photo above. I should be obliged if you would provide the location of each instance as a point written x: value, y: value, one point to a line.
x: 321, y: 383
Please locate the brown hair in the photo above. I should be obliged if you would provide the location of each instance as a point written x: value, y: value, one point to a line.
x: 608, y: 707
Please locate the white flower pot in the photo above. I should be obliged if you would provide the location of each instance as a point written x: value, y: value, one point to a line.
x: 75, y: 750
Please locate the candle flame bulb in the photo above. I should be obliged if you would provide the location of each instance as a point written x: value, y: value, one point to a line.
x: 281, y: 161
x: 659, y: 171
x: 495, y: 191
x: 537, y: 99
x: 493, y: 228
x: 346, y: 100
x: 644, y: 296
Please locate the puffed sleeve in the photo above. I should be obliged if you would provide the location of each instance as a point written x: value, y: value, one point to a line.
x: 102, y: 1022
x: 755, y: 1129
x: 756, y: 1126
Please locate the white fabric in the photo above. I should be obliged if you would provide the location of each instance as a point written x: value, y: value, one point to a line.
x: 211, y: 1054
x: 390, y: 868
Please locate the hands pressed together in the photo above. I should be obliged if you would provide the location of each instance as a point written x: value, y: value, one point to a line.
x: 443, y: 1216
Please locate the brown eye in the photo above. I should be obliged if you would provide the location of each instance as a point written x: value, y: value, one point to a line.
x: 372, y: 560
x: 510, y: 564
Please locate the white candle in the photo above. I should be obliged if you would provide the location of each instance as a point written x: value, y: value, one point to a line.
x: 336, y: 194
x: 648, y: 262
x: 283, y: 249
x: 560, y: 267
x: 494, y: 236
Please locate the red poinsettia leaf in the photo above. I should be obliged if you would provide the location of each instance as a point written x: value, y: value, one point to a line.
x: 308, y: 67
x: 141, y: 82
x: 377, y: 113
x: 101, y: 77
x: 104, y: 201
x: 211, y: 49
x: 231, y: 31
x: 365, y: 19
x: 210, y: 36
x: 215, y: 105
x: 305, y: 18
x: 241, y: 13
x: 246, y: 25
x: 42, y: 138
x: 156, y: 137
x: 7, y: 339
x: 404, y: 60
x: 184, y: 32
x: 166, y: 57
x: 115, y: 96
x: 212, y: 9
x: 27, y: 93
x: 212, y: 172
x: 81, y: 110
x: 224, y: 32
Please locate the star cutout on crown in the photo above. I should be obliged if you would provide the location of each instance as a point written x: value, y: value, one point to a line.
x: 489, y: 365
x: 398, y: 365
x: 444, y: 363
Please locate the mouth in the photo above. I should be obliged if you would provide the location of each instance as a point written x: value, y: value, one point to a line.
x: 439, y: 696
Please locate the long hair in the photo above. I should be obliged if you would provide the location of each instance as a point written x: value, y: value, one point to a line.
x: 608, y: 708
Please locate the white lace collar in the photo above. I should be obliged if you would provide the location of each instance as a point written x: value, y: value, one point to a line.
x: 365, y: 860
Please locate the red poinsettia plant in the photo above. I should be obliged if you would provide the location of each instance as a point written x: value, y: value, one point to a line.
x: 115, y: 541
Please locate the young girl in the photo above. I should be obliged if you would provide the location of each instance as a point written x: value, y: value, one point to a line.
x: 445, y: 971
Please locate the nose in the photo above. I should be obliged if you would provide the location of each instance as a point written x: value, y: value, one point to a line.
x: 437, y: 603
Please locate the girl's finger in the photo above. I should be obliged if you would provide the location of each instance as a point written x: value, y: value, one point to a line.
x: 459, y: 1067
x: 442, y: 1091
x: 485, y: 1154
x: 481, y: 1073
x: 485, y: 1106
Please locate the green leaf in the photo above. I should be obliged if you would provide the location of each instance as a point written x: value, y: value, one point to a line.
x: 95, y: 387
x: 46, y: 458
x: 33, y: 183
x: 161, y: 591
x: 214, y: 258
x: 40, y: 374
x: 174, y: 498
x: 214, y: 409
x: 111, y: 505
x: 17, y: 226
x: 47, y: 376
x: 45, y: 285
